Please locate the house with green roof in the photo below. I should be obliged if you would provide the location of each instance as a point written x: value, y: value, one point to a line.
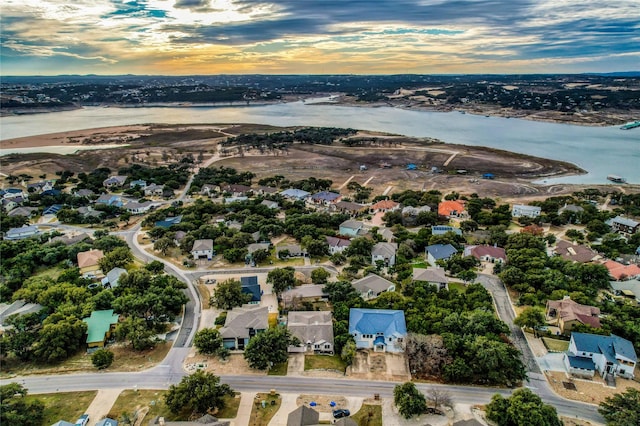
x: 100, y: 325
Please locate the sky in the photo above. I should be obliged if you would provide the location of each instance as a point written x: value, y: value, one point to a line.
x: 186, y: 37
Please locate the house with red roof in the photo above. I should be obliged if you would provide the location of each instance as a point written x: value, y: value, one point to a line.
x: 452, y: 208
x: 385, y: 206
x: 620, y: 272
x: 566, y: 313
x: 486, y: 253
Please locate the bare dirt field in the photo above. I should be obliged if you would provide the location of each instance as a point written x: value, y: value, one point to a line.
x: 591, y: 391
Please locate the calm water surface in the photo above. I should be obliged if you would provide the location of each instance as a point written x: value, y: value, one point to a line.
x: 599, y: 150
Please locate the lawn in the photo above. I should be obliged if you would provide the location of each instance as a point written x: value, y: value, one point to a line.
x: 131, y: 401
x: 423, y: 265
x: 64, y: 405
x: 278, y: 369
x: 368, y: 415
x: 458, y: 286
x: 324, y: 362
x: 262, y: 416
x: 555, y: 345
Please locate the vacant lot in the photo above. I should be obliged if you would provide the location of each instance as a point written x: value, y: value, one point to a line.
x: 64, y: 405
x: 324, y: 362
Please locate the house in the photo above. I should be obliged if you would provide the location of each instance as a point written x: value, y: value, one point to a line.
x: 142, y: 184
x: 114, y: 181
x: 252, y: 248
x: 135, y: 207
x: 237, y: 190
x: 348, y: 207
x: 386, y: 234
x: 383, y: 330
x: 69, y: 240
x: 589, y: 353
x: 89, y: 262
x: 575, y: 252
x: 452, y: 208
x: 206, y: 420
x: 88, y: 211
x: 303, y: 416
x: 566, y: 313
x: 410, y: 214
x: 202, y: 249
x: 520, y: 210
x: 351, y: 228
x: 624, y: 225
x: 52, y: 210
x: 209, y: 189
x: 384, y: 206
x: 110, y: 200
x: 443, y: 229
x: 337, y: 245
x: 9, y: 204
x: 384, y: 252
x: 234, y: 199
x: 372, y: 286
x: 270, y: 204
x: 437, y: 252
x: 25, y: 231
x: 434, y: 276
x: 290, y: 250
x: 51, y: 193
x: 23, y: 212
x: 107, y: 422
x: 314, y: 329
x: 16, y: 309
x: 295, y: 194
x: 154, y: 190
x: 43, y: 185
x: 306, y: 291
x: 325, y: 198
x: 629, y: 288
x: 242, y: 324
x: 168, y: 221
x: 63, y: 423
x: 486, y: 253
x: 100, y: 325
x: 620, y: 272
x: 113, y: 277
x: 84, y: 193
x: 572, y: 208
x: 267, y: 190
x: 250, y: 286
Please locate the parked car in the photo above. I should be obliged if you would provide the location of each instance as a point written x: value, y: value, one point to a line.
x: 83, y: 420
x: 340, y: 413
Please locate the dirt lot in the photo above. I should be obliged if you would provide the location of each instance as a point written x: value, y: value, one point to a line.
x: 591, y: 391
x: 379, y: 366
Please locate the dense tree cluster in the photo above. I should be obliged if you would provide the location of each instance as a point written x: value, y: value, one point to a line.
x: 174, y: 175
x: 15, y: 410
x: 269, y: 348
x: 197, y: 394
x: 622, y: 409
x: 523, y: 408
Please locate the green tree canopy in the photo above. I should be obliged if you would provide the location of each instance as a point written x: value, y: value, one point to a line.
x: 409, y: 400
x: 208, y: 341
x: 281, y: 279
x: 530, y: 317
x: 197, y: 394
x: 268, y: 348
x: 622, y: 409
x: 102, y: 358
x: 228, y: 294
x: 119, y: 257
x: 14, y: 410
x: 523, y: 408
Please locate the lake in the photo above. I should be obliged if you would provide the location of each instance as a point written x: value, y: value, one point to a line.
x: 599, y: 150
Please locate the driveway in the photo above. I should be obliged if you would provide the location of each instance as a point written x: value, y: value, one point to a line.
x: 101, y: 405
x: 552, y: 362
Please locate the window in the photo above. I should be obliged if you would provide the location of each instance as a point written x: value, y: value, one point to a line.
x: 399, y: 339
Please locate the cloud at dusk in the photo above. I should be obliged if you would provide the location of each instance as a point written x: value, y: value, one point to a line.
x: 324, y: 36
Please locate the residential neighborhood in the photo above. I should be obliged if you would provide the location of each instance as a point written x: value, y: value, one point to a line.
x: 307, y: 283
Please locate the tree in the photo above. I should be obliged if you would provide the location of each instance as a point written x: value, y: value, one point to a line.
x: 155, y: 267
x: 164, y: 244
x: 228, y: 294
x: 208, y: 341
x: 119, y: 257
x: 102, y: 358
x: 14, y: 410
x: 197, y: 394
x: 269, y: 348
x: 523, y: 408
x: 531, y: 317
x: 439, y: 397
x: 281, y: 279
x: 319, y: 276
x: 348, y: 351
x: 409, y: 400
x: 622, y: 409
x: 59, y: 338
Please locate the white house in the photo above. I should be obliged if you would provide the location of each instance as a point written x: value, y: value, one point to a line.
x: 337, y: 245
x: 589, y: 353
x: 520, y: 210
x: 202, y: 248
x: 314, y: 329
x: 383, y: 330
x: 114, y: 181
x: 22, y: 232
x: 384, y: 252
x: 434, y: 276
x: 372, y: 286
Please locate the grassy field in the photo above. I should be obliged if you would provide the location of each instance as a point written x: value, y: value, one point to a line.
x: 324, y: 362
x: 368, y: 415
x: 279, y: 369
x: 458, y: 286
x: 131, y: 401
x: 262, y: 416
x: 204, y: 295
x: 555, y: 345
x: 64, y: 405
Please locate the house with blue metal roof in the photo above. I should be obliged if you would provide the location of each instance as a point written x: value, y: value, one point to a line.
x: 608, y: 355
x: 251, y: 287
x: 437, y: 252
x: 443, y: 229
x: 383, y: 330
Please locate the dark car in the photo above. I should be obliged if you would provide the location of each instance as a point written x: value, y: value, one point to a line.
x: 338, y: 414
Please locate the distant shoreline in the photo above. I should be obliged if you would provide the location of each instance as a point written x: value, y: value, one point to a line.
x: 587, y: 118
